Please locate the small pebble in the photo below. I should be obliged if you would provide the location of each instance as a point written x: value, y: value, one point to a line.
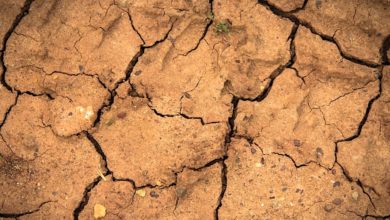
x: 99, y: 211
x: 88, y: 113
x: 328, y: 207
x: 154, y: 194
x: 319, y: 152
x: 355, y: 195
x: 110, y: 122
x: 81, y: 68
x: 297, y: 143
x: 337, y: 201
x: 121, y: 115
x: 141, y: 192
x: 138, y: 72
x: 336, y: 184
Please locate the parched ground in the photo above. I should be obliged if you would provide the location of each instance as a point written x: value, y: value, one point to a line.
x: 195, y: 109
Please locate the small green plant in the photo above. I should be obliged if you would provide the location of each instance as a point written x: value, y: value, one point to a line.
x: 222, y: 27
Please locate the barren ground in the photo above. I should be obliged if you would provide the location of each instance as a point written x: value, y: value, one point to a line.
x: 195, y: 109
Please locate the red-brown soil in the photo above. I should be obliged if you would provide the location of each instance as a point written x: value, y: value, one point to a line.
x: 195, y: 109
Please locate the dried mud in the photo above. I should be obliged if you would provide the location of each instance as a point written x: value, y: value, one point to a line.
x: 195, y: 109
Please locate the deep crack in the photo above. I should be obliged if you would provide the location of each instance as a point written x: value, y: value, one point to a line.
x: 23, y: 12
x: 357, y: 134
x: 232, y: 118
x: 85, y: 198
x: 384, y: 50
x: 129, y: 70
x: 324, y: 37
x: 9, y: 110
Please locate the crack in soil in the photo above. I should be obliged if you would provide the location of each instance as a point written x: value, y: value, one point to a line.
x: 129, y: 71
x: 209, y: 23
x: 357, y: 134
x: 301, y: 8
x: 324, y: 37
x: 181, y: 115
x: 100, y: 112
x: 234, y: 104
x: 259, y: 98
x: 23, y: 12
x: 9, y: 110
x: 278, y: 70
x: 85, y: 199
x: 16, y: 215
x: 384, y: 49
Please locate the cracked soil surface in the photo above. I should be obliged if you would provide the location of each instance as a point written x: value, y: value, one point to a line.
x: 195, y: 109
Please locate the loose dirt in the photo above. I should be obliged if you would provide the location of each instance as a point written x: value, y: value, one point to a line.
x: 195, y: 109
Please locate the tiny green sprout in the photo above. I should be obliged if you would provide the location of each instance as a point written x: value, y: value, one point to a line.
x: 210, y: 15
x: 222, y: 27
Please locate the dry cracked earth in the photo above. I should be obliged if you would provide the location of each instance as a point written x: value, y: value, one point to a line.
x: 195, y: 109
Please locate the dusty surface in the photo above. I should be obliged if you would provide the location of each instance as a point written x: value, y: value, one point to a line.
x: 195, y: 109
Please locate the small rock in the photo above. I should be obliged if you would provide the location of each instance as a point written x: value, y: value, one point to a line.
x: 319, y: 152
x: 337, y: 201
x: 121, y: 115
x: 89, y: 113
x: 336, y: 184
x: 99, y: 211
x: 141, y: 192
x: 138, y: 72
x: 81, y: 68
x: 253, y: 150
x: 328, y: 207
x: 355, y: 196
x: 297, y: 143
x: 110, y: 121
x: 154, y: 194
